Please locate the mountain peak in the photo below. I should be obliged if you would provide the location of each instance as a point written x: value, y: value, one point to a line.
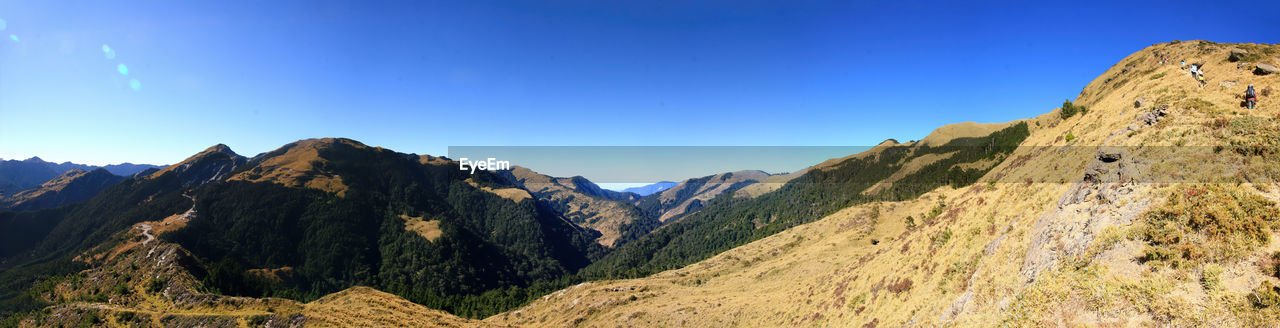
x: 218, y: 148
x: 300, y: 164
x: 323, y: 143
x: 209, y: 165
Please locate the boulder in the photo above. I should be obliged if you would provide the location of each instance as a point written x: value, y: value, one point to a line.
x: 1237, y: 55
x: 1154, y: 115
x: 1264, y: 69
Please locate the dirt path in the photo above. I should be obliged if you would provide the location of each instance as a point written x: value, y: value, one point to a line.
x: 146, y: 228
x: 192, y: 211
x: 146, y: 231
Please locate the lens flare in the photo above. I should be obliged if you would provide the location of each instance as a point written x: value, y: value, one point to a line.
x: 108, y: 52
x: 3, y: 25
x: 135, y: 85
x: 13, y: 37
x: 124, y: 70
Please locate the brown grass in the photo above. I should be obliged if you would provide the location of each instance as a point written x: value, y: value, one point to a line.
x: 429, y: 229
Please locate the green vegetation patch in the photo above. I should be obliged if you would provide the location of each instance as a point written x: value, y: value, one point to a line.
x: 1210, y: 223
x: 1069, y: 109
x: 1251, y: 135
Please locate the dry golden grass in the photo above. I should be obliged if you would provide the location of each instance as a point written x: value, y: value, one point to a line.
x: 429, y: 229
x: 946, y: 133
x: 367, y: 307
x: 277, y: 275
x: 514, y: 194
x: 433, y: 160
x: 299, y: 167
x: 769, y: 184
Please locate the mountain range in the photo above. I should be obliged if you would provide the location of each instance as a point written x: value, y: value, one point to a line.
x: 35, y: 184
x: 18, y: 175
x: 652, y: 188
x: 1148, y: 200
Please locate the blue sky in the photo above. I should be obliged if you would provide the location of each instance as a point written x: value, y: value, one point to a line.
x: 423, y: 75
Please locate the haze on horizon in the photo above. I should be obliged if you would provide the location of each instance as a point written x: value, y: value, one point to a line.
x: 156, y: 81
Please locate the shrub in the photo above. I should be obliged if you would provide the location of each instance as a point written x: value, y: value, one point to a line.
x: 1198, y: 104
x: 956, y: 277
x: 900, y: 286
x: 1211, y: 277
x: 1070, y: 137
x: 125, y: 316
x: 1252, y: 135
x: 258, y: 320
x: 1209, y: 223
x: 1069, y: 109
x: 120, y: 289
x: 941, y: 238
x: 1266, y: 296
x: 936, y: 210
x: 156, y: 285
x: 1251, y: 56
x: 1270, y: 265
x: 911, y: 222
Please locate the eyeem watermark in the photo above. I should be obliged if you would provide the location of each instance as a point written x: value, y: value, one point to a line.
x: 490, y: 164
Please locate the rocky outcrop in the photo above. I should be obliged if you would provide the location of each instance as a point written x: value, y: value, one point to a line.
x: 1091, y: 203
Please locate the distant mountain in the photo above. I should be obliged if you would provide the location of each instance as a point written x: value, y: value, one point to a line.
x: 73, y: 186
x: 651, y: 188
x: 691, y: 195
x: 607, y: 213
x: 18, y: 175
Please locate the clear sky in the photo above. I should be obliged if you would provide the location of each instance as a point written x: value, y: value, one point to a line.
x: 420, y: 76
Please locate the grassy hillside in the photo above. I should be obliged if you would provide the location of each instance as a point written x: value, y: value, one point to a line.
x: 729, y: 221
x: 1156, y: 213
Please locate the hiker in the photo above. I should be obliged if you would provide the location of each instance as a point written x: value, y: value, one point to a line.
x: 1250, y: 97
x: 1184, y: 63
x: 1198, y: 74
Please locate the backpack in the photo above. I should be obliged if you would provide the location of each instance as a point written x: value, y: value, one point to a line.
x: 1249, y: 93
